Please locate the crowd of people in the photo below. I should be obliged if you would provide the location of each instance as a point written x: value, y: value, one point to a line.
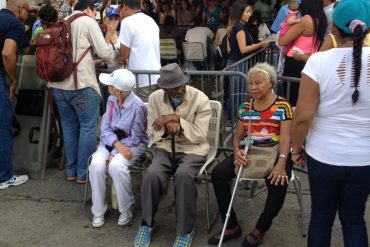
x: 326, y: 44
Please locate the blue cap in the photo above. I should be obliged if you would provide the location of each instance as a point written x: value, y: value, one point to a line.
x: 111, y: 11
x: 348, y: 10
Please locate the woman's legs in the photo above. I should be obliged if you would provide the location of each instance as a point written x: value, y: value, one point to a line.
x: 98, y: 178
x: 119, y: 171
x: 333, y: 188
x: 274, y: 202
x: 221, y: 177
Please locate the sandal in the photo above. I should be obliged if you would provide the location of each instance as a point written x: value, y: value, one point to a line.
x: 255, y: 238
x: 82, y: 181
x: 71, y: 178
x: 215, y: 239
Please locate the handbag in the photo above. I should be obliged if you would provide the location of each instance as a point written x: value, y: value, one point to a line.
x: 261, y: 159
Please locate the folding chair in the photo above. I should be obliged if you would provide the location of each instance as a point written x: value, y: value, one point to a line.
x: 194, y: 52
x: 213, y: 137
x: 168, y: 50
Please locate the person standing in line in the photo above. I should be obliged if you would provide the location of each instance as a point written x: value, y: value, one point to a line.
x: 332, y: 121
x: 139, y: 38
x: 78, y: 102
x: 11, y: 34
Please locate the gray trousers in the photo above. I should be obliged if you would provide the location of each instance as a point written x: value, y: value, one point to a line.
x: 155, y: 184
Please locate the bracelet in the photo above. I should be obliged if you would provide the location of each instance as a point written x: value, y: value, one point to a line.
x: 283, y: 156
x: 299, y: 152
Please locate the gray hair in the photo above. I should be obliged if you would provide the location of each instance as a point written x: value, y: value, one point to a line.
x: 266, y: 69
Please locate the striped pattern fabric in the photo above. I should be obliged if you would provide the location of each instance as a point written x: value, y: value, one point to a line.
x: 266, y: 123
x: 184, y: 240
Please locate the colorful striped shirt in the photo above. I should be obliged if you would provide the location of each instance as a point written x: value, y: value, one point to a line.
x: 266, y: 123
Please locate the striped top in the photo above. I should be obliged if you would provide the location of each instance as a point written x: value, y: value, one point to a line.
x: 266, y: 123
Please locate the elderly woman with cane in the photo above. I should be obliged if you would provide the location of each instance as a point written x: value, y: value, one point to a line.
x: 333, y: 118
x: 123, y: 140
x: 270, y: 125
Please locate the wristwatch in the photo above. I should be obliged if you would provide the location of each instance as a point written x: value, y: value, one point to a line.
x: 292, y: 152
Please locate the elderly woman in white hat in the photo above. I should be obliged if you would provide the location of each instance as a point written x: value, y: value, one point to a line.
x: 123, y: 140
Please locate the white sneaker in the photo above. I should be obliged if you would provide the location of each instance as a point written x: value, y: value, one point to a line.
x: 98, y: 221
x: 125, y: 218
x: 14, y: 181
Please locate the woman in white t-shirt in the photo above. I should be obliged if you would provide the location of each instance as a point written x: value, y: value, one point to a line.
x: 333, y: 110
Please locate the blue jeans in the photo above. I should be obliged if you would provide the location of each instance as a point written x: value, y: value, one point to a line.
x: 79, y: 111
x: 6, y: 137
x: 339, y: 189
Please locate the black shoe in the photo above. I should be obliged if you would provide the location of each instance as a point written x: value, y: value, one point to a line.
x: 247, y: 244
x: 214, y: 241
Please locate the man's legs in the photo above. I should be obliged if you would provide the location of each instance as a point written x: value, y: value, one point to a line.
x: 79, y: 111
x: 70, y: 126
x: 154, y: 185
x: 6, y: 138
x: 144, y: 92
x: 186, y: 191
x: 86, y: 105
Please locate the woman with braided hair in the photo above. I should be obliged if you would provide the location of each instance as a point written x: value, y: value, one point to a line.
x: 333, y: 110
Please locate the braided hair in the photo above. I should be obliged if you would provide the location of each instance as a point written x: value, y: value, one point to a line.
x: 357, y: 36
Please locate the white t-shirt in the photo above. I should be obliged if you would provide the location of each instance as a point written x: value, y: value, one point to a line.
x: 340, y: 132
x: 199, y: 34
x: 140, y: 33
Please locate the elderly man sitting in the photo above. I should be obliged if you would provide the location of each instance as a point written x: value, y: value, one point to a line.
x: 181, y: 112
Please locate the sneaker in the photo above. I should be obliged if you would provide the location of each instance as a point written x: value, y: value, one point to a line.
x: 98, y: 221
x: 184, y: 240
x: 14, y: 181
x: 125, y: 218
x: 142, y: 238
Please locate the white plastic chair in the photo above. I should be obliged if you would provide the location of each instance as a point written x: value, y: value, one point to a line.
x: 213, y: 137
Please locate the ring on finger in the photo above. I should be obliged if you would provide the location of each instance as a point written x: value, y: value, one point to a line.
x: 279, y: 176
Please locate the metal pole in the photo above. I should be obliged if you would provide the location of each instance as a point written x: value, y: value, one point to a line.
x: 173, y: 155
x: 246, y: 147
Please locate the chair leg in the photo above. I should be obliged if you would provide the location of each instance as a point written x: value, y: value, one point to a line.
x: 207, y: 202
x: 298, y: 191
x: 86, y: 186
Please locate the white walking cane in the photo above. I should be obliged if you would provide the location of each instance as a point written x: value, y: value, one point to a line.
x: 248, y: 142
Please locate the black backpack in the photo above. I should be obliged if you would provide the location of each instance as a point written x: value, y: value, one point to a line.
x: 221, y: 54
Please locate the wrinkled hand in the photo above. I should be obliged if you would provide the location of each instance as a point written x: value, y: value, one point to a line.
x: 300, y: 159
x: 163, y: 120
x: 125, y: 151
x: 239, y: 159
x: 12, y: 88
x: 278, y: 175
x: 173, y: 128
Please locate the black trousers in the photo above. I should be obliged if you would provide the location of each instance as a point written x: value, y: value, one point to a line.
x: 221, y: 178
x: 292, y: 68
